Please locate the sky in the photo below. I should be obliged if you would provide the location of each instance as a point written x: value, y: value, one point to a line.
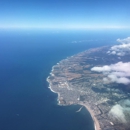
x: 65, y: 14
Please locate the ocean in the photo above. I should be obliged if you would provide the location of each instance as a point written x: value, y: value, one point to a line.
x: 26, y: 59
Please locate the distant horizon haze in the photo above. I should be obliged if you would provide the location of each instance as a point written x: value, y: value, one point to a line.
x: 65, y: 14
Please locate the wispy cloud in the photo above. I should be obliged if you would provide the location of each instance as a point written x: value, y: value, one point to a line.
x: 122, y: 49
x: 83, y: 41
x: 117, y: 113
x: 118, y: 73
x: 124, y: 41
x: 121, y: 111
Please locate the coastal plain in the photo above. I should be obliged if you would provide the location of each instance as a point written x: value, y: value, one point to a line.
x: 75, y: 82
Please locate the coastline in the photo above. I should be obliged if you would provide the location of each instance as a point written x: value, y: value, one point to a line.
x: 71, y: 97
x: 96, y: 122
x: 54, y: 91
x: 75, y: 83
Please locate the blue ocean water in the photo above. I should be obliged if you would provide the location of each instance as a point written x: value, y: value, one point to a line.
x: 26, y: 59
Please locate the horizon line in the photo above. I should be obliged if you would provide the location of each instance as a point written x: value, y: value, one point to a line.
x: 66, y: 27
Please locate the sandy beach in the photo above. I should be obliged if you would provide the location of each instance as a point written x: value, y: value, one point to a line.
x: 96, y: 123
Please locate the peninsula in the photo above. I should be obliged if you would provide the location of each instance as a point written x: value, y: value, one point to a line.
x: 86, y: 79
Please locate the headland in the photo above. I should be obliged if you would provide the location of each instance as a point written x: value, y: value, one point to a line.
x: 75, y: 83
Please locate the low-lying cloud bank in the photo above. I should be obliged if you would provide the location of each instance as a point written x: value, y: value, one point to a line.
x: 121, y: 111
x: 124, y: 41
x: 122, y: 49
x: 84, y: 41
x: 118, y: 73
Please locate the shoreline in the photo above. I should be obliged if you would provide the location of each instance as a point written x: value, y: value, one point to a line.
x: 96, y: 122
x: 53, y: 91
x: 77, y: 84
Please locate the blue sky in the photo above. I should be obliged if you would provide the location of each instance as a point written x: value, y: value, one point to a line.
x: 67, y: 14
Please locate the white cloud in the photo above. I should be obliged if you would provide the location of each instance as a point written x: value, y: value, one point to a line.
x: 83, y: 41
x: 117, y: 113
x: 118, y: 73
x: 101, y: 69
x: 121, y: 111
x: 122, y: 49
x: 123, y: 80
x: 124, y: 41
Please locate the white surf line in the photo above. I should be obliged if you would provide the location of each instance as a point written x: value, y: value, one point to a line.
x: 80, y: 109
